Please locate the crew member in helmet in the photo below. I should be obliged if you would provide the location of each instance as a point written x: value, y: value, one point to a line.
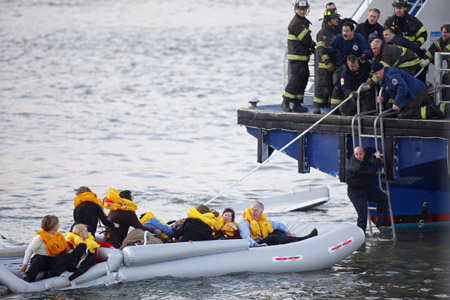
x: 300, y: 46
x: 405, y: 24
x: 327, y: 62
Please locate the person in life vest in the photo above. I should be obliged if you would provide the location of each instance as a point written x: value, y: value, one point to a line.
x: 167, y: 231
x: 88, y: 210
x: 47, y: 252
x: 260, y: 231
x: 80, y: 235
x: 409, y: 94
x: 228, y: 226
x: 123, y: 212
x: 440, y: 45
x: 405, y: 24
x: 299, y: 47
x: 199, y: 225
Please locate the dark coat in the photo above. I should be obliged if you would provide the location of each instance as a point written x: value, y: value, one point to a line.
x: 88, y: 213
x: 359, y: 174
x: 194, y: 230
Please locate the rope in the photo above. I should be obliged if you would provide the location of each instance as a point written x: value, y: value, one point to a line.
x: 279, y: 151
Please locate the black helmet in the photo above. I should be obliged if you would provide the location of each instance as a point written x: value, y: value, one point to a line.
x: 301, y: 4
x: 398, y: 3
x: 330, y: 14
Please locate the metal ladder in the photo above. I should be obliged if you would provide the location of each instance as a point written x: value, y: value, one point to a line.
x: 380, y: 114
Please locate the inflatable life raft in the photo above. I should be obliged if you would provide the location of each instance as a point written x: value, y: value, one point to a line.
x: 193, y: 259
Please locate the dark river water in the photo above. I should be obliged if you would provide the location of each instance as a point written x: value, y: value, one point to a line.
x: 142, y: 95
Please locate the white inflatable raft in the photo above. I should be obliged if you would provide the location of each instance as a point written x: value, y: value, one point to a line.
x: 334, y: 243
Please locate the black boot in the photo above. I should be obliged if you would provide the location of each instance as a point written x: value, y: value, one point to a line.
x: 298, y: 106
x: 309, y: 235
x: 316, y: 108
x: 285, y: 106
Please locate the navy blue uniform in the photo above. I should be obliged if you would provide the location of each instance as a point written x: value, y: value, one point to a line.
x: 359, y: 176
x: 366, y: 28
x: 356, y: 46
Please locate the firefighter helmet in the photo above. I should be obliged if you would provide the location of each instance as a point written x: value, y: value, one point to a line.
x: 301, y: 4
x: 330, y: 14
x: 398, y: 3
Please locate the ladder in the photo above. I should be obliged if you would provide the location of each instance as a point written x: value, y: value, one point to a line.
x: 377, y: 127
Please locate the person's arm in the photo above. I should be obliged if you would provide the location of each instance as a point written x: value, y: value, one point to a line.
x: 103, y: 218
x: 35, y: 244
x: 135, y: 223
x: 279, y: 226
x: 365, y: 48
x: 244, y: 230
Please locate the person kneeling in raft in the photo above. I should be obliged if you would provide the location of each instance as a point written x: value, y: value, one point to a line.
x: 260, y: 231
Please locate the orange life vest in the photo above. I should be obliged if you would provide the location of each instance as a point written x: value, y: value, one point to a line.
x: 55, y: 244
x: 260, y: 228
x: 88, y: 197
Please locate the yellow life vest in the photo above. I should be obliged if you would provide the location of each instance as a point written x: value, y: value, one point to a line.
x: 225, y: 228
x: 87, y: 197
x: 55, y: 244
x: 149, y: 215
x: 260, y: 228
x: 207, y: 218
x: 114, y: 202
x: 75, y: 240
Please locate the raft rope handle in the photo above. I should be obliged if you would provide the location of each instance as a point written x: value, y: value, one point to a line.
x: 279, y: 151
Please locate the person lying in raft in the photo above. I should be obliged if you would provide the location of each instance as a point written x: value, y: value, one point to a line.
x: 80, y: 235
x: 48, y: 252
x: 123, y: 212
x: 260, y: 231
x: 200, y: 225
x: 228, y: 226
x: 167, y: 231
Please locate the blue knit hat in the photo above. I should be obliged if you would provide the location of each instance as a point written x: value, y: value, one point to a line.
x: 376, y: 66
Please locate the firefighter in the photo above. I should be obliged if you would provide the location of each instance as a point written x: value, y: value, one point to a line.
x: 327, y: 62
x: 395, y: 56
x: 343, y: 45
x: 440, y: 45
x: 300, y: 46
x: 356, y: 73
x: 405, y: 24
x: 409, y: 94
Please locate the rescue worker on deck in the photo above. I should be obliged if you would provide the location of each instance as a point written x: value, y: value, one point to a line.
x: 395, y: 56
x: 409, y: 94
x: 440, y: 45
x: 300, y: 46
x: 356, y: 73
x: 405, y: 24
x: 327, y: 62
x: 391, y: 38
x: 371, y: 25
x: 343, y: 45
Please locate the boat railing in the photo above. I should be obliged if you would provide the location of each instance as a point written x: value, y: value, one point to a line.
x: 439, y: 72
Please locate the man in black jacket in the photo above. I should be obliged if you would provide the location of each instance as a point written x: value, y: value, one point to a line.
x: 361, y: 168
x: 371, y: 25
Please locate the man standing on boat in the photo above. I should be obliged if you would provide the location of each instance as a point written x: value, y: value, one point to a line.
x: 360, y: 170
x: 327, y: 62
x: 371, y: 25
x: 299, y: 47
x: 405, y: 24
x: 410, y: 94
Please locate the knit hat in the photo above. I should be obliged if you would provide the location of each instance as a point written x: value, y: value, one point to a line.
x: 376, y: 66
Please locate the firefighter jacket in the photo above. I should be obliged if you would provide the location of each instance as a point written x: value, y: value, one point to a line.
x: 300, y: 43
x: 439, y: 45
x: 397, y: 56
x: 401, y: 41
x: 350, y: 81
x: 366, y: 28
x: 324, y: 39
x: 356, y: 46
x: 409, y: 27
x: 400, y: 86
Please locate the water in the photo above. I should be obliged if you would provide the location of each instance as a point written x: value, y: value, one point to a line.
x: 142, y: 95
